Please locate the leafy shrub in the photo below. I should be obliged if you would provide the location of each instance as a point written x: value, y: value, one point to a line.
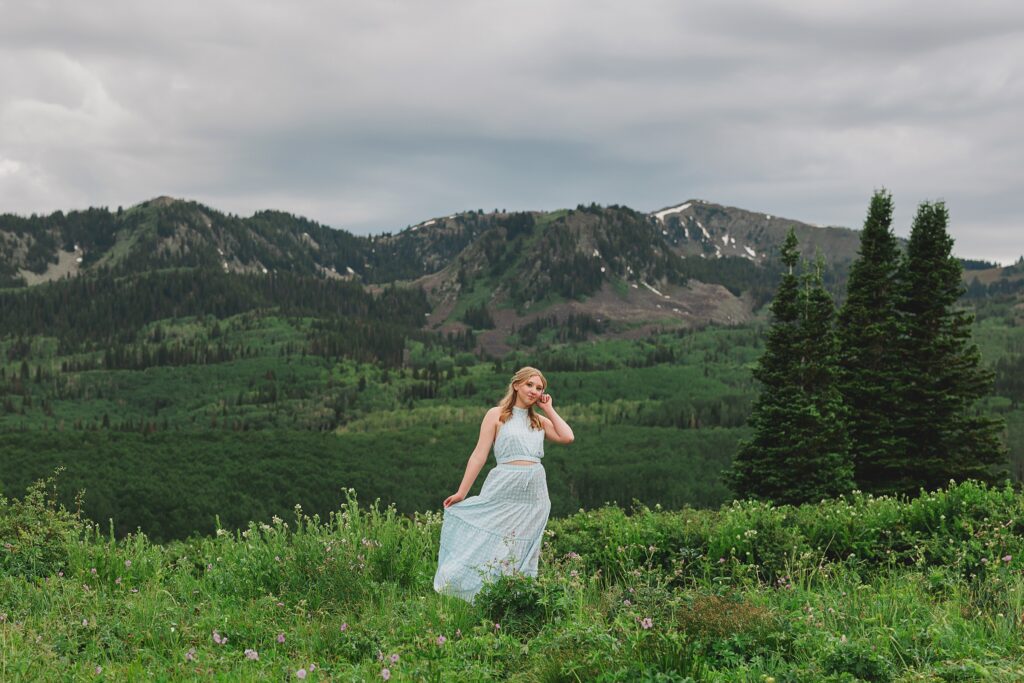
x: 858, y: 660
x: 37, y: 532
x: 516, y: 601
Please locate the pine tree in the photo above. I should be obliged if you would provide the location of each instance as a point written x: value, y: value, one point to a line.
x: 758, y: 469
x: 942, y: 436
x: 820, y: 455
x: 798, y: 451
x: 869, y: 358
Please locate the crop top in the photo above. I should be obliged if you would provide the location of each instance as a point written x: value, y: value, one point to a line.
x: 518, y: 440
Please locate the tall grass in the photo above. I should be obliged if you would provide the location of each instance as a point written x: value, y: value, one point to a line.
x: 859, y: 588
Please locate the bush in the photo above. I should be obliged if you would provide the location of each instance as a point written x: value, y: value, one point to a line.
x: 36, y: 532
x: 515, y: 601
x: 857, y: 660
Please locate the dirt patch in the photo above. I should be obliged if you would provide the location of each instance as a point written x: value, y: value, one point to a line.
x: 640, y: 311
x: 67, y: 264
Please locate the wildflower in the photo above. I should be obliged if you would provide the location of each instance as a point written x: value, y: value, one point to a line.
x: 344, y: 627
x: 394, y: 658
x: 280, y: 637
x: 60, y: 573
x: 440, y: 640
x: 984, y: 560
x: 190, y: 656
x: 301, y: 673
x: 1007, y: 558
x: 380, y: 656
x: 127, y: 564
x: 626, y: 602
x: 220, y: 640
x: 646, y: 622
x: 280, y: 604
x: 209, y: 567
x: 252, y: 654
x: 385, y: 674
x: 93, y: 571
x: 3, y: 617
x: 99, y: 669
x: 118, y: 581
x: 458, y: 633
x: 312, y: 667
x: 85, y: 622
x: 497, y: 627
x: 572, y: 556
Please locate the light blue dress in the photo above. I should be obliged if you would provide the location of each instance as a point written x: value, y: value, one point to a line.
x: 502, y: 529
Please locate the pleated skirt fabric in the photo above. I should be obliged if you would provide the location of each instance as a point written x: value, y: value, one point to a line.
x: 494, y: 533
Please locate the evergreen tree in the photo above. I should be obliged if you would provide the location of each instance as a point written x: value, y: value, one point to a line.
x: 798, y: 451
x: 820, y: 457
x: 942, y: 436
x: 869, y: 358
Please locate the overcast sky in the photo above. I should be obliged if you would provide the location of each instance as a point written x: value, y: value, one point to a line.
x: 374, y: 115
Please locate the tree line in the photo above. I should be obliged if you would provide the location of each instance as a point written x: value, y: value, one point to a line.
x: 881, y: 396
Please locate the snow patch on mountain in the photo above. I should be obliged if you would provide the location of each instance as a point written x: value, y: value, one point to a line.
x: 660, y: 215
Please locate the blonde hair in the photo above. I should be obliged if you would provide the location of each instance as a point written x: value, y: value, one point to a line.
x: 509, y: 399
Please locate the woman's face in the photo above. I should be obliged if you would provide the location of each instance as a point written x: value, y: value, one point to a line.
x: 529, y: 390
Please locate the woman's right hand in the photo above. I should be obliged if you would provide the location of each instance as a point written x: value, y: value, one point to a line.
x: 453, y: 499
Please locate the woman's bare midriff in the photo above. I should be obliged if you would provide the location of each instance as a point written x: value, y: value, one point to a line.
x: 520, y: 462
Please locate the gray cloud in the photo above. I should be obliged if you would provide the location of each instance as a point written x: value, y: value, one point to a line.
x: 375, y: 115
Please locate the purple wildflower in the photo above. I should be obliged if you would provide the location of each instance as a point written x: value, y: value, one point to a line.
x: 646, y: 622
x: 344, y: 627
x: 190, y: 656
x: 385, y: 674
x: 301, y: 673
x: 252, y: 654
x: 441, y: 639
x: 280, y: 637
x: 394, y: 658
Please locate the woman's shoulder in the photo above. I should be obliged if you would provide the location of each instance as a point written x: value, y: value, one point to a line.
x: 492, y: 414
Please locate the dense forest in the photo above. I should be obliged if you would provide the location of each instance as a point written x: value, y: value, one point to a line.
x: 173, y: 390
x: 167, y: 447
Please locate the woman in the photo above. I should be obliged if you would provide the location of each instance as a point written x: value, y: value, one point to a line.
x: 502, y: 529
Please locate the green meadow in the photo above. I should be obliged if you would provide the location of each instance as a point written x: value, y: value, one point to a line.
x: 852, y: 589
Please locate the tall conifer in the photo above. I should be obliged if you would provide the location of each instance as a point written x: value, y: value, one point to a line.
x: 869, y: 358
x: 820, y: 444
x: 798, y: 451
x: 759, y: 468
x: 943, y: 437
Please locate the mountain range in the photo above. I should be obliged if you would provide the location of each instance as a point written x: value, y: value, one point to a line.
x: 623, y: 271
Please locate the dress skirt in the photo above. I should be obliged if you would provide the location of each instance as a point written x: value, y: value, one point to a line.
x: 497, y: 532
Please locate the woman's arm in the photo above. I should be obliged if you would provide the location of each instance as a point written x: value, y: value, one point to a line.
x: 555, y: 428
x: 478, y: 457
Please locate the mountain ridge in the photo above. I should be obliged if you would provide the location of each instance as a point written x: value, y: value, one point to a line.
x: 687, y: 264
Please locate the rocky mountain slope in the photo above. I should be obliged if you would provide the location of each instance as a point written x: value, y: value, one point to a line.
x: 622, y: 271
